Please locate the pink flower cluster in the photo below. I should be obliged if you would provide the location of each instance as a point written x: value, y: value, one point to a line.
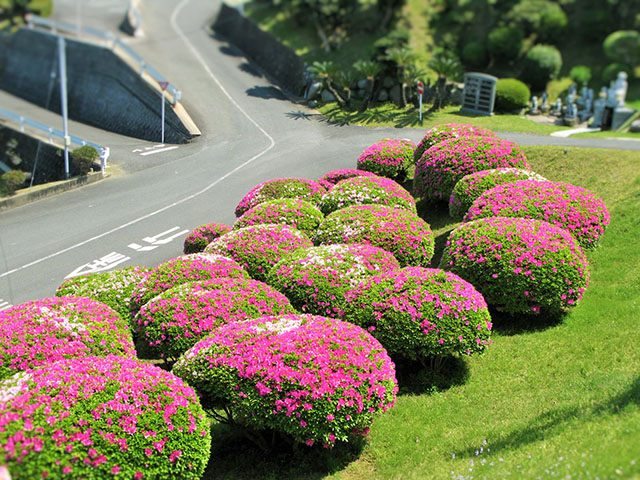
x: 187, y: 268
x: 112, y: 288
x: 176, y: 319
x: 314, y: 378
x: 294, y: 212
x: 388, y: 158
x: 281, y: 188
x: 259, y: 247
x: 396, y: 230
x: 475, y: 184
x: 203, y: 235
x: 366, y: 190
x: 518, y: 264
x: 316, y: 279
x: 445, y: 163
x: 330, y: 179
x: 44, y: 331
x: 447, y: 131
x: 420, y: 312
x: 573, y: 208
x: 97, y: 417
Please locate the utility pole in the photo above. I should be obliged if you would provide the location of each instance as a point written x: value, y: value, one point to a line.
x: 62, y: 62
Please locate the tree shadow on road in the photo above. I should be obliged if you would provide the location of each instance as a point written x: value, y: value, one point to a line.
x: 266, y: 93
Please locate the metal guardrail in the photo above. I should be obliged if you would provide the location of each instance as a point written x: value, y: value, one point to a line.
x: 54, y: 132
x: 112, y: 41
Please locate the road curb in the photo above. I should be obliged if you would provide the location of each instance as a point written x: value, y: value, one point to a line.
x: 29, y: 195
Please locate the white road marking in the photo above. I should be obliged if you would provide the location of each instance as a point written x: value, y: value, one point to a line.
x: 153, y: 152
x: 272, y: 144
x: 4, y: 304
x: 107, y: 262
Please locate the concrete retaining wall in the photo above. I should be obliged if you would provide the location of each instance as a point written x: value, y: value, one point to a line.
x: 279, y: 61
x: 103, y: 90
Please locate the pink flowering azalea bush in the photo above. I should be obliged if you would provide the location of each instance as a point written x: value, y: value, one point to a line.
x: 310, y: 377
x: 316, y: 279
x: 475, y: 184
x: 112, y: 288
x: 365, y: 191
x: 417, y: 313
x: 281, y: 188
x: 294, y: 212
x: 573, y: 208
x: 99, y: 418
x: 389, y: 158
x: 396, y: 230
x: 201, y: 236
x: 184, y: 269
x: 447, y: 131
x: 175, y: 320
x: 520, y: 265
x: 259, y: 247
x: 445, y: 163
x: 44, y: 331
x: 330, y: 179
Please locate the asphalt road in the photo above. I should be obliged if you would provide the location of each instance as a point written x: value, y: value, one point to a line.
x: 250, y: 132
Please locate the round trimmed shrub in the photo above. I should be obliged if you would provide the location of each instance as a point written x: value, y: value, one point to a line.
x: 623, y: 46
x: 543, y: 17
x: 418, y: 313
x: 511, y: 94
x: 519, y: 265
x: 294, y: 212
x: 183, y: 269
x: 102, y: 417
x: 444, y: 164
x: 175, y: 320
x: 316, y: 279
x: 505, y: 43
x: 540, y: 65
x: 281, y: 188
x: 113, y: 288
x: 202, y: 236
x: 390, y: 158
x: 313, y: 378
x: 367, y: 191
x: 580, y: 74
x: 612, y: 70
x: 259, y: 247
x: 43, y: 331
x: 330, y: 179
x: 83, y: 158
x: 475, y: 184
x: 396, y: 230
x: 447, y: 131
x: 12, y: 180
x: 567, y: 206
x: 474, y: 54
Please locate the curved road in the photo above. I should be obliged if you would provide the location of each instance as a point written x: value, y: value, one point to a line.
x: 250, y: 133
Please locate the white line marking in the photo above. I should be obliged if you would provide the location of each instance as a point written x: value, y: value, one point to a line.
x: 272, y: 144
x: 152, y: 152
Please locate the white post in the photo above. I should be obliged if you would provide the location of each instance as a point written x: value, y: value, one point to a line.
x: 62, y: 61
x: 78, y: 18
x: 420, y: 101
x: 162, y: 138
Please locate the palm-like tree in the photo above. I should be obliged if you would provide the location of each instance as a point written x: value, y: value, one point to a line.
x: 327, y: 72
x: 404, y: 59
x: 369, y: 70
x: 446, y: 65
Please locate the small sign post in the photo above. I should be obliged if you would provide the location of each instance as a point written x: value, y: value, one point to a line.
x: 420, y: 92
x: 163, y: 87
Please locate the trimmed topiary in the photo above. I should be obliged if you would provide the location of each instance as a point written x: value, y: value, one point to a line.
x: 475, y: 184
x: 504, y: 43
x: 102, y: 417
x: 316, y: 279
x: 511, y: 94
x: 417, y: 313
x: 330, y: 179
x: 573, y: 208
x: 184, y: 269
x: 313, y: 378
x: 396, y: 230
x: 113, y: 288
x: 580, y: 74
x: 388, y: 158
x: 203, y: 235
x: 286, y: 211
x: 259, y: 247
x: 178, y: 318
x: 281, y: 188
x: 545, y: 18
x: 474, y: 54
x: 519, y: 265
x: 540, y: 65
x: 367, y: 191
x: 623, y: 46
x: 43, y: 331
x: 12, y: 180
x: 447, y: 131
x: 444, y: 164
x: 83, y: 158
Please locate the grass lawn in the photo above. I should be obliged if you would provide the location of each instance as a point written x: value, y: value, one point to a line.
x: 549, y: 399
